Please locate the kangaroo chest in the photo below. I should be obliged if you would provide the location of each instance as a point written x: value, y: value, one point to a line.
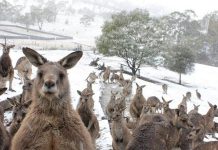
x: 118, y: 131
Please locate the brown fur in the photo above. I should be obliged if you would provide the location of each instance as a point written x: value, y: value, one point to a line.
x: 197, y: 137
x: 120, y: 133
x: 194, y: 110
x: 106, y: 74
x: 19, y: 112
x: 155, y: 103
x: 4, y: 136
x: 89, y: 119
x: 27, y: 91
x: 183, y: 105
x: 91, y: 77
x: 209, y: 117
x: 24, y: 68
x: 212, y: 145
x: 52, y: 123
x: 169, y: 113
x: 6, y: 68
x: 137, y: 103
x: 158, y: 133
x: 110, y: 106
x: 86, y: 94
x: 114, y: 78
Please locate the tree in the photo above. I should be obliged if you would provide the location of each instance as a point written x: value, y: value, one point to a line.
x: 180, y: 59
x: 211, y: 37
x: 25, y: 19
x: 182, y: 28
x: 50, y: 11
x: 41, y: 14
x: 132, y: 36
x: 86, y: 20
x: 37, y: 16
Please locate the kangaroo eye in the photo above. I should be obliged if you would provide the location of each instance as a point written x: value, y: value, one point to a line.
x: 61, y: 75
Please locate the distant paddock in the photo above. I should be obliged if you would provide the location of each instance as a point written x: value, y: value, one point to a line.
x: 49, y: 44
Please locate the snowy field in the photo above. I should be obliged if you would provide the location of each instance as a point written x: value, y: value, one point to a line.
x: 204, y: 78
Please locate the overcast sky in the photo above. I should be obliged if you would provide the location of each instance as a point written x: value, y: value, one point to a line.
x: 201, y: 7
x: 159, y: 7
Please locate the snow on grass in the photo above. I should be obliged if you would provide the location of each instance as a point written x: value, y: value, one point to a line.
x: 204, y: 78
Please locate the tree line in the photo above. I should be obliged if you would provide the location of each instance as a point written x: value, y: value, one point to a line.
x: 176, y: 40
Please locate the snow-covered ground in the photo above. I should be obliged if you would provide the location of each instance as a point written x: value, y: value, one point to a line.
x: 204, y: 78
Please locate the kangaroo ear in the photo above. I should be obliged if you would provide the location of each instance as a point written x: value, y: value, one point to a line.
x: 34, y: 57
x: 71, y: 60
x: 143, y: 86
x: 169, y: 101
x: 2, y: 90
x: 137, y: 85
x: 163, y: 100
x: 79, y: 92
x: 211, y: 105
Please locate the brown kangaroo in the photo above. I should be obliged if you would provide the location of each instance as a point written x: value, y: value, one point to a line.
x: 52, y: 123
x: 24, y: 69
x: 6, y: 68
x: 4, y: 136
x: 19, y: 112
x: 89, y: 119
x: 137, y: 103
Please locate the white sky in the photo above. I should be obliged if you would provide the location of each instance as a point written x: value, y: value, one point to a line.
x: 201, y: 7
x: 159, y: 7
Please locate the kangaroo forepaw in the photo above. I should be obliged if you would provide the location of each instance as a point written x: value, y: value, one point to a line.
x: 12, y: 90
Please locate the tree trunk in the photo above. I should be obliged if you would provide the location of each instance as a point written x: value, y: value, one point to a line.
x: 180, y: 78
x: 133, y: 71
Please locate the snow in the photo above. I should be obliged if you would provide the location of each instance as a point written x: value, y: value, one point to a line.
x: 204, y: 78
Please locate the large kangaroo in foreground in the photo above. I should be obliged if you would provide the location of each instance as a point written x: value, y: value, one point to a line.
x: 52, y: 123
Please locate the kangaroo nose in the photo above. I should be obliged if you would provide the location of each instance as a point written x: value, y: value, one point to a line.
x: 49, y: 84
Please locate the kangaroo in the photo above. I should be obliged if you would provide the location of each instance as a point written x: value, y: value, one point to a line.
x: 106, y: 74
x: 159, y: 133
x: 197, y: 137
x: 164, y: 88
x: 188, y: 95
x: 120, y: 133
x: 91, y: 77
x: 51, y: 122
x: 198, y: 94
x: 25, y: 96
x: 114, y: 77
x: 86, y: 95
x: 155, y: 103
x: 137, y: 102
x: 4, y: 136
x: 19, y: 112
x: 89, y: 119
x: 194, y: 110
x: 110, y: 106
x: 209, y: 117
x: 183, y: 104
x: 169, y: 113
x: 6, y: 68
x: 24, y: 68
